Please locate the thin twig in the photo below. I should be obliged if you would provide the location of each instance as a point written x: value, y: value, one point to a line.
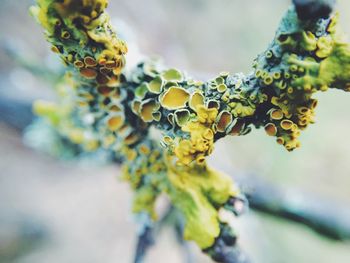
x: 325, y: 216
x: 148, y: 234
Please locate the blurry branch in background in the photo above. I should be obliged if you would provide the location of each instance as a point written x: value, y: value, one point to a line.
x: 19, y: 235
x: 149, y: 231
x: 13, y: 49
x: 15, y: 113
x: 325, y: 216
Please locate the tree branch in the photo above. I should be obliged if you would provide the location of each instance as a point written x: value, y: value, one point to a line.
x: 325, y: 216
x: 313, y: 9
x: 322, y: 215
x: 15, y: 113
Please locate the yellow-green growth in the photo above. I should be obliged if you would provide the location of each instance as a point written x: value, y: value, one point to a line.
x: 100, y: 107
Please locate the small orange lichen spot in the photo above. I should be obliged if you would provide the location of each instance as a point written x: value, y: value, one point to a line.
x: 102, y: 61
x: 156, y: 85
x: 268, y: 80
x: 147, y: 108
x: 347, y: 87
x: 213, y: 104
x: 196, y: 99
x: 91, y: 145
x: 258, y: 73
x: 102, y: 79
x: 276, y: 114
x: 57, y: 22
x: 287, y: 124
x: 124, y: 130
x: 314, y: 104
x: 111, y: 64
x: 168, y: 140
x: 55, y: 49
x: 131, y: 154
x: 144, y: 149
x: 236, y: 128
x: 104, y: 90
x: 276, y: 75
x: 302, y: 122
x: 303, y: 110
x: 289, y: 147
x: 76, y: 136
x: 69, y: 57
x: 269, y: 54
x: 90, y: 61
x: 324, y: 88
x: 225, y: 119
x: 65, y: 35
x: 219, y: 80
x: 221, y: 88
x: 271, y: 129
x: 174, y: 98
x: 172, y: 75
x: 117, y: 71
x: 116, y: 108
x: 135, y: 106
x: 79, y: 64
x: 88, y: 73
x: 108, y: 141
x: 131, y: 139
x: 200, y: 160
x: 182, y: 117
x: 157, y: 116
x: 280, y: 140
x: 113, y: 81
x: 115, y: 122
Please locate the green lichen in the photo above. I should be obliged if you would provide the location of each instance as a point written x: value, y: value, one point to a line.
x: 103, y: 107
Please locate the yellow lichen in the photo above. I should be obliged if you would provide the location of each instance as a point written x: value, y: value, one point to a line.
x: 196, y: 99
x: 224, y: 120
x: 174, y: 98
x: 115, y: 122
x: 271, y: 129
x: 147, y: 108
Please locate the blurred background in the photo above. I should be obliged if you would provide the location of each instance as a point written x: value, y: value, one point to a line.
x: 56, y: 211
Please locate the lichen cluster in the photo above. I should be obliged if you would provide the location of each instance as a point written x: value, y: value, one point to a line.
x: 103, y: 106
x: 302, y: 60
x: 80, y: 32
